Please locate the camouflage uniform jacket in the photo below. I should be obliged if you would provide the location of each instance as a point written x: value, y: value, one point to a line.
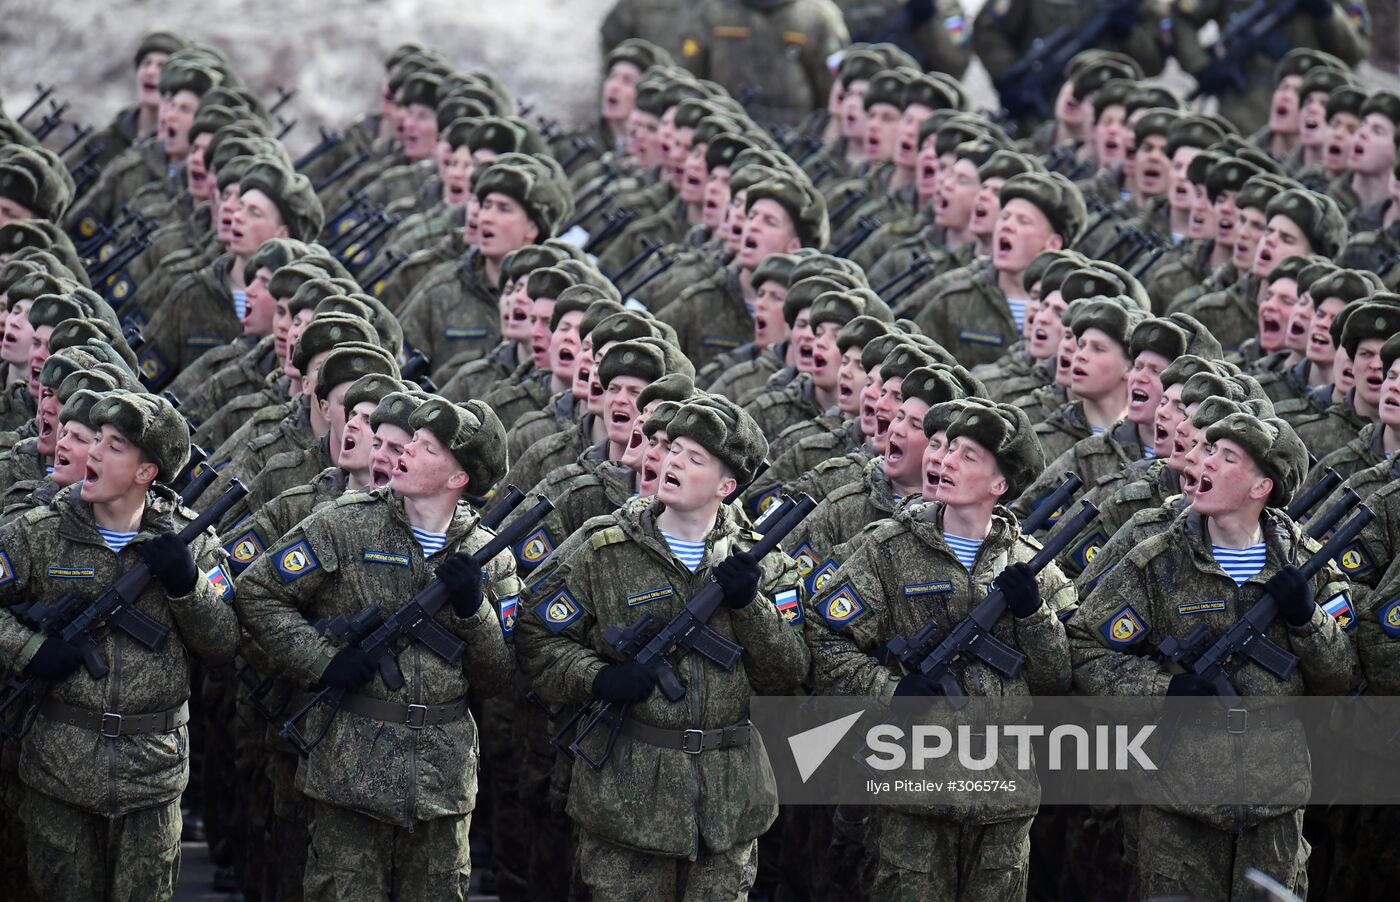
x: 21, y: 462
x: 729, y: 796
x: 291, y: 432
x: 110, y: 142
x: 245, y: 415
x: 525, y: 391
x: 1179, y: 269
x: 1365, y: 450
x: 829, y: 475
x: 1170, y: 584
x: 902, y: 575
x: 17, y: 406
x: 1283, y: 384
x: 56, y: 548
x: 801, y: 456
x: 965, y: 312
x: 833, y: 421
x: 554, y: 450
x: 710, y: 318
x: 840, y: 516
x: 580, y: 492
x: 1066, y: 426
x: 197, y: 375
x: 742, y: 371
x: 135, y: 167
x: 1140, y: 527
x: 1014, y: 374
x: 395, y: 290
x: 198, y: 315
x: 780, y: 407
x: 1142, y: 485
x: 1337, y: 424
x: 1003, y: 33
x: 1229, y: 314
x: 453, y: 310
x: 355, y: 551
x: 474, y: 378
x: 561, y: 414
x: 1368, y: 560
x: 1092, y: 458
x: 269, y: 522
x: 27, y: 495
x: 284, y: 470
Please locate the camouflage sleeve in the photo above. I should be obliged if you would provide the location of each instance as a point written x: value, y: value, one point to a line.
x: 204, y: 618
x: 489, y: 661
x: 846, y: 622
x: 831, y: 35
x: 1049, y: 480
x: 775, y: 657
x: 1041, y: 636
x: 814, y: 536
x: 415, y: 316
x: 1345, y: 33
x: 271, y: 596
x: 1146, y: 43
x: 17, y: 641
x: 946, y: 39
x: 1188, y: 16
x: 1107, y: 633
x: 1326, y: 657
x: 552, y: 639
x: 1102, y: 561
x: 1378, y: 636
x: 996, y: 34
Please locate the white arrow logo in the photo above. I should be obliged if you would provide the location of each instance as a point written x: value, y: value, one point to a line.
x: 811, y: 747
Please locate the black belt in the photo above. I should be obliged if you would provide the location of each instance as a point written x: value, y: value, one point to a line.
x: 1234, y: 720
x: 111, y: 724
x: 414, y: 717
x: 692, y: 742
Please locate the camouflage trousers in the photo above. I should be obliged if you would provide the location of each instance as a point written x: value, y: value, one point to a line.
x: 287, y: 836
x: 930, y: 858
x: 354, y: 857
x: 620, y: 874
x: 80, y: 856
x: 14, y: 875
x: 1178, y: 856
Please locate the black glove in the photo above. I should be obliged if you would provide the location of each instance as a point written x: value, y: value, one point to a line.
x: 1018, y: 584
x: 170, y: 562
x: 917, y: 684
x: 54, y: 660
x: 628, y: 683
x: 1318, y: 9
x: 738, y: 576
x: 1293, y: 594
x: 1215, y: 78
x: 1121, y: 21
x: 349, y: 669
x: 463, y: 579
x: 918, y: 11
x: 1189, y: 685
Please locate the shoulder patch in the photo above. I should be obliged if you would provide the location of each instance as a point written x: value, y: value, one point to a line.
x: 510, y: 607
x: 218, y: 578
x: 1354, y: 560
x: 1389, y: 616
x: 820, y: 576
x: 295, y: 561
x: 1122, y: 629
x: 7, y: 572
x: 727, y: 342
x: 605, y: 537
x: 806, y: 559
x: 763, y: 501
x: 244, y: 549
x: 789, y: 607
x: 558, y: 611
x: 842, y: 606
x: 1339, y: 607
x: 151, y: 364
x: 535, y: 547
x: 1085, y: 552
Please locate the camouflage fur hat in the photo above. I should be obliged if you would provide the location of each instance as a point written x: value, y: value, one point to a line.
x: 1172, y: 338
x: 325, y: 332
x: 938, y: 417
x: 100, y: 378
x: 1317, y: 215
x: 627, y: 325
x: 859, y: 332
x: 152, y: 424
x: 536, y: 183
x: 902, y: 360
x: 79, y: 407
x: 840, y: 307
x: 397, y: 409
x: 598, y: 311
x: 1109, y: 317
x: 932, y: 384
x: 64, y: 364
x: 275, y: 253
x: 1390, y: 352
x: 1184, y: 367
x: 639, y: 358
x: 660, y: 417
x: 804, y: 205
x: 52, y: 309
x: 1370, y: 320
x: 287, y: 279
x: 1007, y: 434
x: 725, y: 430
x: 474, y: 435
x: 350, y: 361
x: 1274, y: 446
x: 1055, y: 196
x: 292, y: 194
x: 1348, y: 284
x: 773, y: 268
x: 370, y: 388
x: 804, y: 292
x: 166, y: 42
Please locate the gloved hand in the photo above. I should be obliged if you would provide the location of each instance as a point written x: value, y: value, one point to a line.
x: 1215, y: 78
x: 349, y: 669
x: 54, y: 660
x: 1293, y: 594
x: 1018, y: 584
x: 917, y: 684
x: 1318, y: 9
x: 918, y: 11
x: 627, y: 683
x: 171, y: 562
x: 1121, y: 20
x: 738, y: 576
x: 1189, y: 685
x: 463, y: 579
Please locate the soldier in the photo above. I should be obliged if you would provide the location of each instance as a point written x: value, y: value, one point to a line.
x: 1365, y: 193
x: 382, y: 825
x: 1314, y: 92
x: 1213, y: 562
x: 773, y: 57
x: 934, y: 560
x: 659, y: 843
x: 1338, y: 28
x: 102, y: 808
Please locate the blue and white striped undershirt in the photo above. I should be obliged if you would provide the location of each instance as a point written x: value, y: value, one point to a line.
x: 240, y: 303
x: 1148, y: 452
x: 1096, y: 430
x: 116, y: 540
x: 1018, y: 311
x: 1239, y: 563
x: 688, y: 553
x: 432, y: 542
x: 965, y: 550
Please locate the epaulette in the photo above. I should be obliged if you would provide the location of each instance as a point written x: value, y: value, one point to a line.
x: 859, y: 487
x: 353, y: 498
x: 257, y: 443
x: 283, y: 460
x: 1138, y: 490
x: 611, y: 535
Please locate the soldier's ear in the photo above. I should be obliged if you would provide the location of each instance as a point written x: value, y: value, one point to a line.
x: 1262, y: 489
x: 146, y: 472
x: 532, y: 232
x: 1056, y: 242
x: 458, y: 480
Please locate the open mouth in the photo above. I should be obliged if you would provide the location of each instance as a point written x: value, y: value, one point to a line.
x: 750, y: 244
x: 1374, y: 382
x: 89, y: 475
x: 804, y: 354
x: 45, y: 427
x: 620, y: 417
x: 61, y: 460
x: 1078, y: 373
x: 380, y: 476
x: 1269, y: 327
x: 349, y: 442
x: 1160, y: 436
x: 1065, y: 361
x: 1356, y: 150
x: 456, y: 193
x: 1189, y: 483
x: 818, y: 361
x: 670, y: 481
x: 845, y: 391
x: 400, y: 468
x: 928, y: 172
x: 1151, y: 173
x: 1111, y: 146
x: 1004, y: 246
x: 1040, y: 335
x: 1311, y: 124
x: 894, y: 452
x: 1138, y: 396
x: 635, y: 441
x: 236, y: 234
x: 1335, y: 151
x: 1204, y: 484
x: 1265, y: 256
x: 595, y: 390
x: 1296, y: 330
x: 1321, y: 341
x: 693, y: 181
x: 882, y: 424
x: 1224, y: 226
x: 1281, y: 110
x: 566, y: 355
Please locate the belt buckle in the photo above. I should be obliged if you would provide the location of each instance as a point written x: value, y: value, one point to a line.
x: 699, y: 741
x: 1236, y: 724
x: 114, y: 731
x: 417, y: 717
